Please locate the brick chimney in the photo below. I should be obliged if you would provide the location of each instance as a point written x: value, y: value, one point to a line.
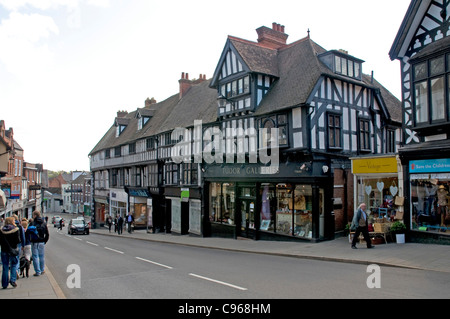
x: 122, y: 114
x: 274, y: 38
x: 186, y: 84
x: 149, y: 102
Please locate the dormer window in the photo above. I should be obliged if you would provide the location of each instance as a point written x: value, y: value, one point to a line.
x: 142, y: 121
x: 120, y: 129
x: 347, y: 67
x: 143, y: 116
x: 343, y: 64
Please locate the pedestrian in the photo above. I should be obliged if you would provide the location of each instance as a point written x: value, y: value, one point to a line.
x: 109, y: 221
x: 119, y: 225
x: 115, y: 223
x: 22, y: 239
x: 61, y: 221
x: 38, y: 243
x: 360, y: 225
x: 130, y: 221
x: 9, y: 241
x: 26, y: 248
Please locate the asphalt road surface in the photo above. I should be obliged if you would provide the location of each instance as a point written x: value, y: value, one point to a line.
x: 103, y: 267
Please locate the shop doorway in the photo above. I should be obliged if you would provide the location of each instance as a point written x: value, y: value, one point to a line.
x: 246, y: 225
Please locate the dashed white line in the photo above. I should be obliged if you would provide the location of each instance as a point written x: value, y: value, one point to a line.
x: 218, y: 282
x: 154, y: 263
x: 116, y: 251
x: 93, y: 244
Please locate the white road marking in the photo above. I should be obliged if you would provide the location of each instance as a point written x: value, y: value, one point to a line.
x: 93, y: 244
x: 78, y: 238
x: 116, y: 251
x: 154, y: 263
x: 218, y: 282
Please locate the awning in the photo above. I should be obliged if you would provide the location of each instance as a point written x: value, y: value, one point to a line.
x: 2, y: 199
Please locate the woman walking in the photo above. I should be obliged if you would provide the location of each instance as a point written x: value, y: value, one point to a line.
x: 9, y: 240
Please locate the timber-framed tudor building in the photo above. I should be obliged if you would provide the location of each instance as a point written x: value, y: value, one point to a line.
x: 422, y: 46
x: 327, y: 113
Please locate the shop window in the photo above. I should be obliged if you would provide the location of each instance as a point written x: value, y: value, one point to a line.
x: 302, y: 211
x: 430, y: 201
x: 285, y: 214
x: 222, y: 203
x: 379, y: 195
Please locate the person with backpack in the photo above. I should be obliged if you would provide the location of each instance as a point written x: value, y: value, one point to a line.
x: 9, y: 241
x: 38, y: 240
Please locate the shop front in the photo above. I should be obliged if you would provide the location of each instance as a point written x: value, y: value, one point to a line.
x: 429, y: 185
x: 101, y: 208
x: 256, y: 202
x: 141, y: 204
x: 118, y: 200
x: 379, y: 184
x: 184, y: 210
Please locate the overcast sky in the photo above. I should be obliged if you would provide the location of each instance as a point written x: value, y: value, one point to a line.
x: 68, y: 66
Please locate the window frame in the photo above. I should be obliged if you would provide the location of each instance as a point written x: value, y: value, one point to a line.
x: 364, y: 136
x: 334, y: 128
x: 425, y: 79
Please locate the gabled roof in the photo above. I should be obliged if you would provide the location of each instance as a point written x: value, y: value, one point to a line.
x: 199, y: 103
x: 258, y: 59
x: 408, y: 29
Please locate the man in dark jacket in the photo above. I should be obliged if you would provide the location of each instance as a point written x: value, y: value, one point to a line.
x: 38, y: 244
x: 9, y: 240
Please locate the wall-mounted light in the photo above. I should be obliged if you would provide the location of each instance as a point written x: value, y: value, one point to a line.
x: 325, y: 169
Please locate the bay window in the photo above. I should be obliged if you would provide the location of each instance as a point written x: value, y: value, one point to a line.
x: 431, y: 86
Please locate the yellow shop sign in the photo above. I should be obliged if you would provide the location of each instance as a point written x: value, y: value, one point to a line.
x: 374, y: 165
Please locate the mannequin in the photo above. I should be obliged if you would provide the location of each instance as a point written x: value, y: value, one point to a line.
x: 442, y: 202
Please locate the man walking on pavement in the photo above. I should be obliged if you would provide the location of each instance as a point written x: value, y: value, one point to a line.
x: 130, y: 220
x: 360, y: 225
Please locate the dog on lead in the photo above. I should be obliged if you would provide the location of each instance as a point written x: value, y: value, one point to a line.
x: 24, y: 266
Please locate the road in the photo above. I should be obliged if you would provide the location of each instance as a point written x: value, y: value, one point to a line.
x: 121, y: 268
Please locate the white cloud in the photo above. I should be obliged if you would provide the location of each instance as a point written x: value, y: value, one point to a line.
x: 38, y: 4
x: 15, y: 5
x: 22, y: 49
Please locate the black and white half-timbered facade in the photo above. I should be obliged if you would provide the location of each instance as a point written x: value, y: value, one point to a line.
x: 423, y: 47
x: 261, y: 150
x: 324, y: 111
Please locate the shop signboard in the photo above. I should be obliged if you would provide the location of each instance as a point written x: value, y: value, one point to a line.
x: 383, y: 165
x: 430, y: 166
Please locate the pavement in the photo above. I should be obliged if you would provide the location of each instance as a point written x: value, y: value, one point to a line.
x: 428, y: 257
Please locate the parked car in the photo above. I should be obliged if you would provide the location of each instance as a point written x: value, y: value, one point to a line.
x: 78, y: 226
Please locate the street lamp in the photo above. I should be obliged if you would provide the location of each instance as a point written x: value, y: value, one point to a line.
x: 223, y: 101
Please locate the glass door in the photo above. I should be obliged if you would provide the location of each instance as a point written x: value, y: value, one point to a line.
x: 247, y: 225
